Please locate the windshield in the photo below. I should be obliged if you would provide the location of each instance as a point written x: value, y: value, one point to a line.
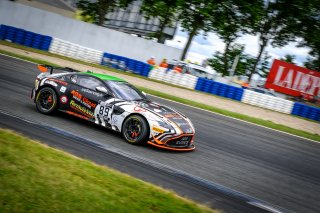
x: 125, y: 91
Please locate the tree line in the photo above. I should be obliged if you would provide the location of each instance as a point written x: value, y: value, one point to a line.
x: 275, y: 22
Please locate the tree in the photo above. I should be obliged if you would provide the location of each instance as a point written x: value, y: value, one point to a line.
x: 195, y: 16
x: 263, y: 67
x: 288, y: 58
x: 217, y: 62
x: 99, y: 9
x: 274, y: 26
x: 231, y: 19
x: 312, y: 41
x: 245, y: 63
x: 312, y: 64
x: 309, y: 29
x: 164, y: 10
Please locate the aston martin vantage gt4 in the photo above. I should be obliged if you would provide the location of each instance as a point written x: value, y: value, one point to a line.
x: 112, y: 103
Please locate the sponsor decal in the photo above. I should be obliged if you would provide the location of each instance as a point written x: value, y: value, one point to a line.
x: 76, y: 95
x: 63, y: 89
x: 183, y: 141
x: 83, y: 100
x: 88, y: 103
x: 157, y: 129
x: 59, y: 81
x: 115, y: 119
x: 81, y: 109
x: 293, y: 80
x: 139, y: 109
x: 51, y: 83
x: 91, y: 92
x: 77, y: 115
x: 63, y: 99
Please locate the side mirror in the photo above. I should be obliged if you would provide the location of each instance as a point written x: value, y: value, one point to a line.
x: 145, y: 94
x: 103, y: 90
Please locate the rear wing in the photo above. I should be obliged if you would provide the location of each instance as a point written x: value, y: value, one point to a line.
x: 46, y: 68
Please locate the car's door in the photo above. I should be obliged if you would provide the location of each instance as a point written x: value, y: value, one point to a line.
x: 84, y: 96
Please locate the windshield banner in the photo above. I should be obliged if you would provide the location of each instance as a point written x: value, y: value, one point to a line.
x: 293, y: 80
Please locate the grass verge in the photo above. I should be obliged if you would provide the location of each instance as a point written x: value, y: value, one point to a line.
x: 258, y: 121
x: 37, y: 178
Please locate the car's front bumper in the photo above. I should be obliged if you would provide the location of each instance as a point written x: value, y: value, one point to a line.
x: 163, y: 146
x: 174, y: 143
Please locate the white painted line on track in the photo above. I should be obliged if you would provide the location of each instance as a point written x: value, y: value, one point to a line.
x: 18, y: 58
x: 265, y: 207
x: 201, y: 109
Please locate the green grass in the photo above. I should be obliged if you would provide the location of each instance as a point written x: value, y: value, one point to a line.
x: 258, y: 121
x: 36, y: 178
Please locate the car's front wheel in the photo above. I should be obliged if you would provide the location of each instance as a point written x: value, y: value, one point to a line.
x: 135, y: 130
x: 46, y: 100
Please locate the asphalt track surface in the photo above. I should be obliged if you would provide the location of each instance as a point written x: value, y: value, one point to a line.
x: 278, y: 168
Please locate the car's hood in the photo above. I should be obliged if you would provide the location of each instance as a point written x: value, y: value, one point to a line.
x: 163, y: 111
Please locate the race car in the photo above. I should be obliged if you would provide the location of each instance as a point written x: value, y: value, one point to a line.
x: 112, y: 103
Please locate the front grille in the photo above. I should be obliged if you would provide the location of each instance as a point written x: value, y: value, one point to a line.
x: 183, y: 141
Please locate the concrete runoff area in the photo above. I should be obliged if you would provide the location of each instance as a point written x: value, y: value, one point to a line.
x: 218, y: 102
x: 278, y: 168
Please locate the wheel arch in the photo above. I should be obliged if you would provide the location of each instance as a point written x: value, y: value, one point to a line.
x: 139, y: 115
x: 50, y: 86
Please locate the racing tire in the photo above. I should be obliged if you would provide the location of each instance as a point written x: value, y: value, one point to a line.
x: 135, y: 130
x: 46, y: 101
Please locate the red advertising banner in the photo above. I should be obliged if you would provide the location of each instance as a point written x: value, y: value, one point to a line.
x: 293, y: 80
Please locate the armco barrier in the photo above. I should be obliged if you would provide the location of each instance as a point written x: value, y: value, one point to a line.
x: 267, y: 101
x: 26, y: 38
x: 306, y: 111
x: 65, y: 48
x: 184, y: 80
x: 219, y: 89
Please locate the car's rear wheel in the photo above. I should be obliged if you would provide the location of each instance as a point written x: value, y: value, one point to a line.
x: 46, y: 100
x: 135, y: 130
